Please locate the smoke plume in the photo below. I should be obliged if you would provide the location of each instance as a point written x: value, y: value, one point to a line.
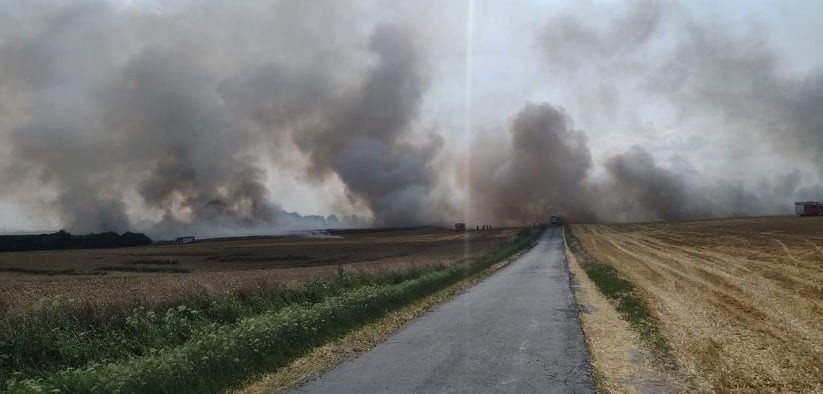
x: 362, y: 139
x: 191, y: 117
x: 705, y: 73
x: 543, y: 170
x: 171, y: 109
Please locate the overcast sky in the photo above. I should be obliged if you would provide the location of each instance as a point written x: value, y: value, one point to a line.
x: 681, y: 81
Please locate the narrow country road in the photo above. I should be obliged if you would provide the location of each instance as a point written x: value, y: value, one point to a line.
x: 517, y: 331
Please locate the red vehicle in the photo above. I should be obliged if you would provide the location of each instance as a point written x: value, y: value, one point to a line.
x: 808, y: 208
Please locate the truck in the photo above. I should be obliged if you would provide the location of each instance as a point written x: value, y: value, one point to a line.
x: 460, y: 227
x: 808, y: 208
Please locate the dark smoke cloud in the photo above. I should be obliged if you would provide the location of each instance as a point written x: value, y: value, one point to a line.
x: 169, y: 120
x: 639, y: 189
x: 542, y: 171
x: 123, y: 108
x: 546, y: 170
x: 97, y: 124
x: 364, y: 141
x: 645, y: 191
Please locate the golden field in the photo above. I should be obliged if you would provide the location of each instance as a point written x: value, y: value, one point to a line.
x: 165, y: 274
x: 740, y: 300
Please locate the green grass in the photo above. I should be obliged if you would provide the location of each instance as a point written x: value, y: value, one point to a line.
x: 627, y: 301
x: 61, y: 335
x: 209, y: 345
x: 608, y: 281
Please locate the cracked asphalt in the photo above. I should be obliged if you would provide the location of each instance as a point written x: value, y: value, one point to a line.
x: 517, y: 331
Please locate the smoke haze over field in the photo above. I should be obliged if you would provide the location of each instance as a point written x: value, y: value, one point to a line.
x: 216, y: 118
x: 543, y: 169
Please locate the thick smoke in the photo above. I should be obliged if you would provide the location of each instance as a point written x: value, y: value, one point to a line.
x: 702, y: 71
x: 645, y: 191
x: 190, y: 151
x: 546, y: 169
x: 362, y: 141
x: 100, y: 119
x: 542, y: 171
x: 174, y: 119
x: 113, y: 108
x: 741, y: 80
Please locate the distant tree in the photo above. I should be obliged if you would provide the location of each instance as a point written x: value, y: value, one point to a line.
x: 135, y: 239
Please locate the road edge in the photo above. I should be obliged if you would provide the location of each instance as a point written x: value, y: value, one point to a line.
x: 359, y: 341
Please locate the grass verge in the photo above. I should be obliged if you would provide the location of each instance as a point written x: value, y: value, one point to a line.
x: 61, y: 334
x: 326, y: 357
x: 211, y: 356
x: 627, y: 302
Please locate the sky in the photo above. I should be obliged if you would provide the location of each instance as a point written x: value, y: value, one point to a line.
x: 218, y: 118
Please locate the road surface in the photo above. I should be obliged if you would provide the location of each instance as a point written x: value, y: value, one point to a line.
x: 517, y: 331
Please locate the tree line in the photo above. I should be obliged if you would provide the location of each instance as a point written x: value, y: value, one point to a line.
x: 65, y: 240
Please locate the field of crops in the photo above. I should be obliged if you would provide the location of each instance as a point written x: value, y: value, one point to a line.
x: 739, y: 300
x: 224, y: 321
x: 165, y: 274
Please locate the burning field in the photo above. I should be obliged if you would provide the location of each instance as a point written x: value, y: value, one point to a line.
x: 740, y: 300
x: 165, y: 274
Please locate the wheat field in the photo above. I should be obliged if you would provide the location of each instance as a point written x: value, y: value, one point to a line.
x: 740, y: 300
x: 161, y: 275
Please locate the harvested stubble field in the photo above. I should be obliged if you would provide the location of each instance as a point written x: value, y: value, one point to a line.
x: 165, y: 274
x: 740, y: 300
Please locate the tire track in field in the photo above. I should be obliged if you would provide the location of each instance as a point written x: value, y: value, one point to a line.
x: 735, y: 330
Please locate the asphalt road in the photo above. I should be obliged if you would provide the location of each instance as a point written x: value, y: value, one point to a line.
x: 517, y: 331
